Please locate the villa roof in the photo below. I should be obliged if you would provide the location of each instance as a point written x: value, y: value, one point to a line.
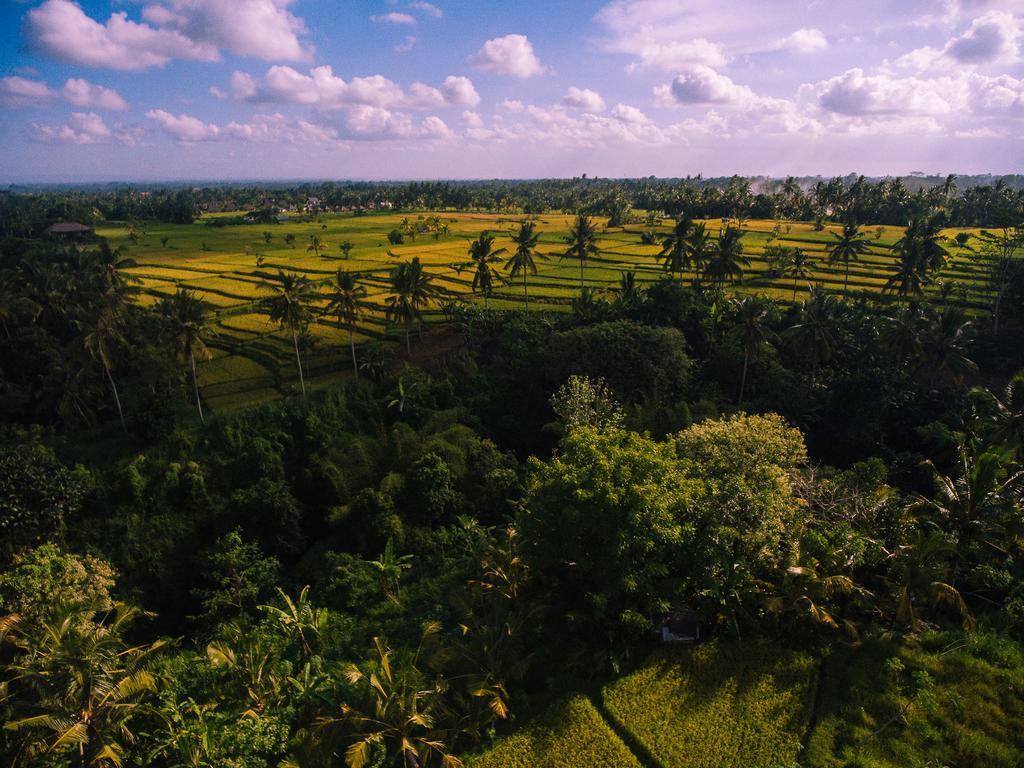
x: 67, y: 228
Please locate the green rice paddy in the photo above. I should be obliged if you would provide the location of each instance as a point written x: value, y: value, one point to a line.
x: 227, y: 266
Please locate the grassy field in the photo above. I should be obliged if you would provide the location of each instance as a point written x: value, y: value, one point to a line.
x: 227, y: 265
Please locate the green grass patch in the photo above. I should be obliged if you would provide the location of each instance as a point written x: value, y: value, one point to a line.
x: 954, y: 700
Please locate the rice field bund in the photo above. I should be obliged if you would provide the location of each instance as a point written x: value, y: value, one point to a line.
x: 228, y: 266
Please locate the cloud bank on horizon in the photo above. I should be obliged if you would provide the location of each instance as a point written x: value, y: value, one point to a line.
x: 408, y: 89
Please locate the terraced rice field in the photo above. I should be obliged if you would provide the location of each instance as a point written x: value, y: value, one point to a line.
x: 227, y: 266
x: 719, y: 705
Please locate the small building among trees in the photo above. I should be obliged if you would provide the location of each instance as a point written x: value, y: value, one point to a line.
x: 69, y: 230
x: 682, y: 625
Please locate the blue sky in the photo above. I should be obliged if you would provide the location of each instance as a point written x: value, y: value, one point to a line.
x: 208, y: 89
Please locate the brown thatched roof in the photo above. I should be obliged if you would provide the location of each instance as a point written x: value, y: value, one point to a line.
x: 68, y: 228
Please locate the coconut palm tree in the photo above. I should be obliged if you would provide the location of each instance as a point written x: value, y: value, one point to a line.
x: 977, y: 499
x: 290, y: 307
x: 402, y: 706
x: 910, y: 276
x: 902, y: 333
x: 82, y: 685
x: 813, y: 333
x: 920, y: 576
x: 1003, y: 417
x: 582, y: 242
x: 315, y: 245
x: 482, y: 256
x: 945, y: 345
x: 629, y: 293
x: 798, y: 265
x: 751, y: 324
x: 522, y: 258
x: 726, y: 260
x: 184, y: 325
x: 101, y: 333
x: 346, y: 303
x: 674, y: 251
x: 849, y: 246
x: 699, y: 247
x: 411, y: 292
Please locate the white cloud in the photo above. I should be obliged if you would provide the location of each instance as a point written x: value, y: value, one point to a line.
x: 394, y: 18
x: 81, y: 128
x: 178, y: 29
x: 406, y: 45
x: 991, y: 37
x: 321, y: 87
x: 628, y: 114
x: 428, y: 8
x: 583, y: 98
x: 18, y: 92
x: 276, y: 128
x: 510, y: 55
x: 184, y: 128
x: 703, y: 85
x: 673, y: 55
x: 459, y: 91
x: 82, y: 93
x: 802, y: 41
x: 370, y: 123
x: 472, y: 119
x: 855, y: 94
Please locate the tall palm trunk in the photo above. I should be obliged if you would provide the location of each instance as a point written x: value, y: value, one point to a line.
x: 195, y: 384
x: 352, y: 345
x: 298, y: 361
x: 526, y: 293
x: 743, y: 378
x: 581, y: 275
x: 408, y: 348
x: 117, y: 398
x: 846, y: 281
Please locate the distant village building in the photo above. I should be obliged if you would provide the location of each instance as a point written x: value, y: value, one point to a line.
x: 68, y: 230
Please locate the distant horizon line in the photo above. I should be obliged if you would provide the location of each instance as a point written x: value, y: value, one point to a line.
x: 7, y: 184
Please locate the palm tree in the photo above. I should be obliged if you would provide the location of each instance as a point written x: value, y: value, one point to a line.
x: 84, y: 683
x: 315, y: 245
x: 629, y: 293
x: 674, y: 248
x: 945, y: 345
x: 919, y: 253
x: 902, y: 334
x: 1004, y: 416
x: 184, y: 324
x: 522, y: 259
x: 347, y: 305
x: 920, y: 576
x: 978, y: 498
x: 411, y: 292
x: 289, y: 307
x: 482, y: 255
x: 401, y: 712
x: 582, y: 242
x: 849, y: 246
x: 390, y: 567
x: 101, y: 333
x: 699, y: 247
x: 346, y: 247
x: 910, y: 277
x: 751, y: 320
x: 726, y: 259
x: 814, y: 331
x: 799, y: 266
